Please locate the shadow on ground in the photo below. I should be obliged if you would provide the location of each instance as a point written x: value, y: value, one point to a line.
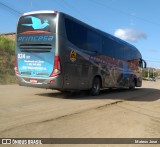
x: 139, y: 94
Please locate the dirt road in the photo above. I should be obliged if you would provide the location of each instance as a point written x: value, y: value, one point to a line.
x: 31, y: 112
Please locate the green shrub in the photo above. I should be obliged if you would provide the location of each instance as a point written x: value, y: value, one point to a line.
x: 7, y: 52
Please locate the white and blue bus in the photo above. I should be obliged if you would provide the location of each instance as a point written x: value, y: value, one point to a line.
x: 57, y: 51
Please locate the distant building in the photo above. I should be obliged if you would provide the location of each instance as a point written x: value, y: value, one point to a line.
x: 10, y: 35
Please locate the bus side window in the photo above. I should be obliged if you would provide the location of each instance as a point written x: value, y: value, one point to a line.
x: 107, y: 47
x: 94, y: 42
x: 76, y: 34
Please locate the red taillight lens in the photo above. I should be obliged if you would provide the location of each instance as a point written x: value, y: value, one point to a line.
x: 16, y: 65
x: 57, y: 67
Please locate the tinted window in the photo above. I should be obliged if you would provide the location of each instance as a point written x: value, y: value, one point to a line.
x: 113, y: 48
x: 37, y: 22
x: 118, y: 50
x: 76, y: 34
x: 82, y: 37
x: 107, y: 48
x: 94, y: 41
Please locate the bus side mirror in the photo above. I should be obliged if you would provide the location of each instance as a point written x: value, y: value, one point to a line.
x: 144, y: 63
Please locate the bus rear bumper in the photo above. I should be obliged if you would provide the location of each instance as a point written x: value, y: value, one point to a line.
x: 48, y: 83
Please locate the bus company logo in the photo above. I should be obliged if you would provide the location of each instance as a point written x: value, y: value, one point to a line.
x: 36, y: 23
x: 73, y: 55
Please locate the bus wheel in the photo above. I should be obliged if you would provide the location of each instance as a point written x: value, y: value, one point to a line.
x: 96, y: 85
x: 132, y: 84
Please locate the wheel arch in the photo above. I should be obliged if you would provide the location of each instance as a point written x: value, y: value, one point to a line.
x: 97, y: 76
x: 96, y: 85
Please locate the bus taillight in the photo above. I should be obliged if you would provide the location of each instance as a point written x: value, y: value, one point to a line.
x: 57, y: 67
x: 55, y: 12
x: 16, y: 65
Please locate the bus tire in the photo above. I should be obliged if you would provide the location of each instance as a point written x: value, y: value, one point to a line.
x: 96, y: 86
x: 132, y: 84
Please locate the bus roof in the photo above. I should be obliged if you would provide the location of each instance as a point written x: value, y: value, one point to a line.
x: 40, y: 11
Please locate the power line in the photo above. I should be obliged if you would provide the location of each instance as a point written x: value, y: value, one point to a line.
x: 152, y: 61
x: 125, y: 13
x: 71, y: 7
x: 63, y: 6
x: 11, y: 10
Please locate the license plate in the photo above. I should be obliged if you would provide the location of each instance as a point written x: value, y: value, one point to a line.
x: 33, y: 80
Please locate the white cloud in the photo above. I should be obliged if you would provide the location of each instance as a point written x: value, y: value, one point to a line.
x: 129, y: 34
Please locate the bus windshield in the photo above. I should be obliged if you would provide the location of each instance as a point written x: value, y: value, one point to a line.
x: 36, y: 44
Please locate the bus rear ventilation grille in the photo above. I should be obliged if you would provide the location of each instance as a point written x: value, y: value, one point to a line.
x: 35, y: 47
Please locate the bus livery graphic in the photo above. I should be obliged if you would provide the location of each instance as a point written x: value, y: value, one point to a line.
x: 57, y: 51
x: 36, y: 23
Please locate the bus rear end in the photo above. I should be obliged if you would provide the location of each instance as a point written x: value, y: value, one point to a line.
x: 37, y: 61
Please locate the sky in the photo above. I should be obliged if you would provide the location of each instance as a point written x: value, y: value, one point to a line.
x: 135, y: 21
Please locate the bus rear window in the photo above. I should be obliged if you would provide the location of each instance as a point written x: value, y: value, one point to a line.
x: 37, y: 23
